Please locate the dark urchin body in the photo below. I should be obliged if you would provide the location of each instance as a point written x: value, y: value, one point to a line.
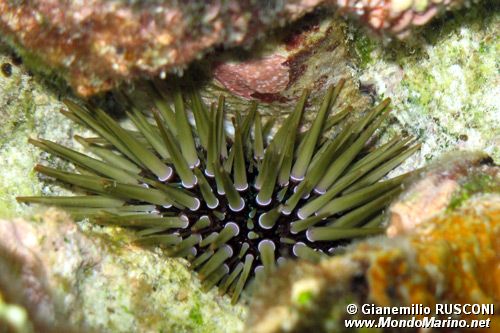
x: 234, y: 205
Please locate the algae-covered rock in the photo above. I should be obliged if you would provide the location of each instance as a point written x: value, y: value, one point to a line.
x: 27, y: 108
x: 445, y: 186
x: 95, y: 45
x: 70, y: 275
x: 444, y: 82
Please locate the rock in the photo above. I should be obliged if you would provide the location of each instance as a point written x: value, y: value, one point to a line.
x: 100, y: 43
x: 443, y: 82
x: 398, y: 17
x: 96, y: 45
x: 69, y: 275
x: 443, y: 186
x: 27, y: 108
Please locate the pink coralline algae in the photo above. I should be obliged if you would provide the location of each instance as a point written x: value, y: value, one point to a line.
x: 253, y: 78
x: 396, y: 17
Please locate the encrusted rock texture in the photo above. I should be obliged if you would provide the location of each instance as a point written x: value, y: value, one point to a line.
x: 72, y: 276
x: 102, y: 41
x: 448, y: 253
x: 443, y: 81
x: 397, y: 17
x: 96, y: 44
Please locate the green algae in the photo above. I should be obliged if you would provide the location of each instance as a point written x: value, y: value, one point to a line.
x: 364, y: 45
x: 195, y: 315
x: 477, y: 183
x: 17, y: 110
x: 305, y: 298
x: 26, y: 109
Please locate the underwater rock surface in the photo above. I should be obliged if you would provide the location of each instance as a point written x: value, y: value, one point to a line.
x: 444, y: 81
x: 445, y: 185
x: 97, y: 44
x: 101, y: 42
x: 70, y: 275
x: 398, y: 17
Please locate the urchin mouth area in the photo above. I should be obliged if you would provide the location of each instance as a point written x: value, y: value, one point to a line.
x: 235, y: 206
x: 249, y: 219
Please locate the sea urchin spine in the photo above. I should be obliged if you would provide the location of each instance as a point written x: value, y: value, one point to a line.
x: 234, y: 205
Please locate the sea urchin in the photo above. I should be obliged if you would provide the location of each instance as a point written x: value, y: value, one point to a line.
x: 231, y: 201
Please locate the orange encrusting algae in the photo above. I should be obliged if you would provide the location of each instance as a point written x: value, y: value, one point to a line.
x: 456, y: 259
